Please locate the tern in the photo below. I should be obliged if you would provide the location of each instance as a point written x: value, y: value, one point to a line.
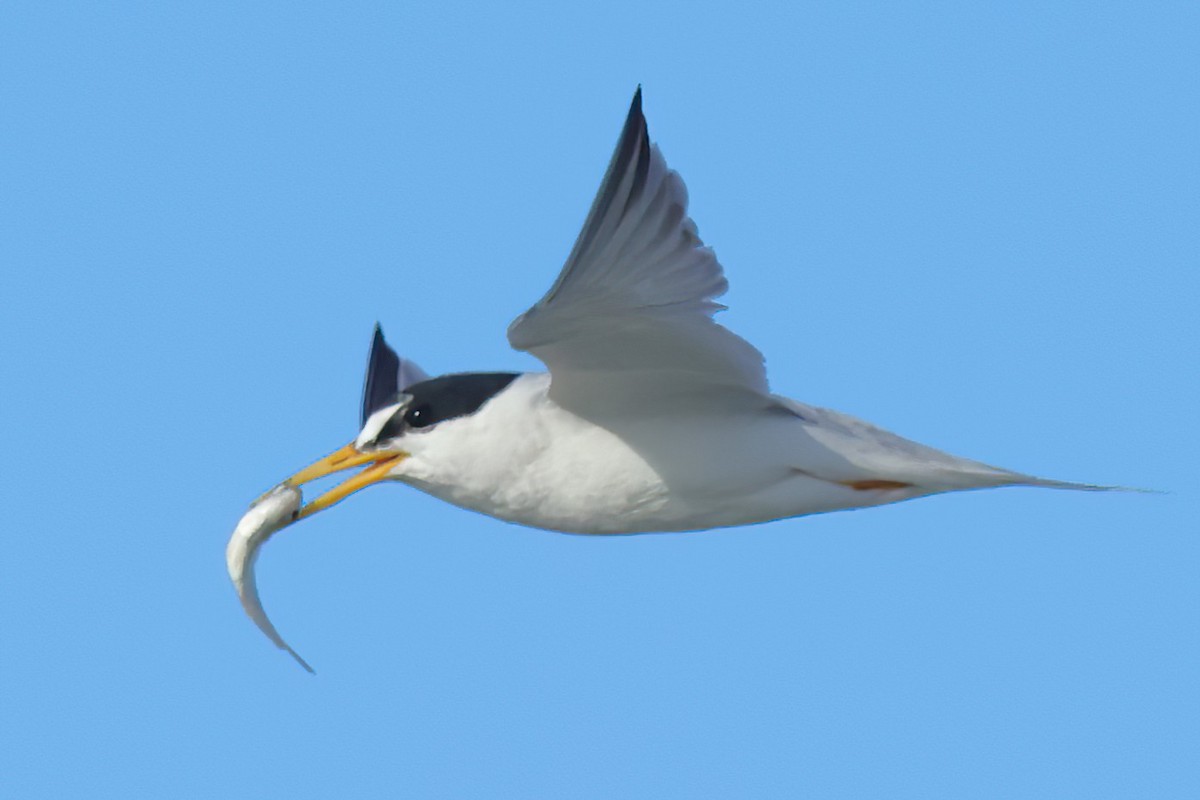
x: 652, y: 417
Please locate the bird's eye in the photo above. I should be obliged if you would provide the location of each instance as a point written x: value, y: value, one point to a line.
x: 419, y: 416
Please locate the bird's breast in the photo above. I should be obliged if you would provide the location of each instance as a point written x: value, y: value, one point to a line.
x: 524, y: 459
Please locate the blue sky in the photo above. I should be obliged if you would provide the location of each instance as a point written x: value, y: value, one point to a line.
x: 974, y: 225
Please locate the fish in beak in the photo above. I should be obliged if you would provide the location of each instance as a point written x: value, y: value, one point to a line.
x: 280, y: 507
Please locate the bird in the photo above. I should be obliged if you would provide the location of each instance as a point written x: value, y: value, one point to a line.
x: 652, y: 416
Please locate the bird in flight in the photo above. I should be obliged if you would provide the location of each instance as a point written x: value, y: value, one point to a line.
x: 652, y: 417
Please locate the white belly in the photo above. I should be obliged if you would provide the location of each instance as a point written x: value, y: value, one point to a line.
x: 523, y: 459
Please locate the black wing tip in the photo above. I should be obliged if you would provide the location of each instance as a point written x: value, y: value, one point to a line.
x: 635, y: 116
x: 637, y: 131
x: 635, y: 136
x: 382, y: 375
x: 380, y: 349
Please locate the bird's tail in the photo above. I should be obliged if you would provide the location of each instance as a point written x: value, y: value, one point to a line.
x: 1048, y: 483
x: 888, y: 460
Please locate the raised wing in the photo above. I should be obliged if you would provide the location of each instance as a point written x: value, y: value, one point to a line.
x: 387, y: 375
x: 630, y: 317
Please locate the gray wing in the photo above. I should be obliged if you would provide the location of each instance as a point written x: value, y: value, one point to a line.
x: 629, y: 318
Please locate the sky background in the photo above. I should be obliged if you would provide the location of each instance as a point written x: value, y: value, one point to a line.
x: 976, y: 226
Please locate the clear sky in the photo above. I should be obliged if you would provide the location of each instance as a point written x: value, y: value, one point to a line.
x: 974, y: 226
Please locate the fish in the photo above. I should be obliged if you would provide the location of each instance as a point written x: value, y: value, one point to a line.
x: 273, y: 511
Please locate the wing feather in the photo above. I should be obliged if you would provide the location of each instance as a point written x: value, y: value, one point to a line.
x: 387, y: 375
x: 630, y: 315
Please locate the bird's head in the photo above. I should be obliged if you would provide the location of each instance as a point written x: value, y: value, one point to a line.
x: 402, y: 410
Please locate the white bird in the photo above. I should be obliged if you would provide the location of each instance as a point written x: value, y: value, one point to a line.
x: 652, y: 418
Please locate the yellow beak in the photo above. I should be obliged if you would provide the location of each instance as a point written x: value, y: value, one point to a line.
x: 342, y: 459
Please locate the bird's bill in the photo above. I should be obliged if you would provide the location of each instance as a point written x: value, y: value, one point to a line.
x: 344, y: 458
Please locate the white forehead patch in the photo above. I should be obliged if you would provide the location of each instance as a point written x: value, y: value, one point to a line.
x: 375, y: 422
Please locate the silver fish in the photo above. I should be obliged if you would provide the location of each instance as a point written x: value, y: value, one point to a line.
x: 273, y: 511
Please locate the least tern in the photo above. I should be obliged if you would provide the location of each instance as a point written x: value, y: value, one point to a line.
x: 652, y: 417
